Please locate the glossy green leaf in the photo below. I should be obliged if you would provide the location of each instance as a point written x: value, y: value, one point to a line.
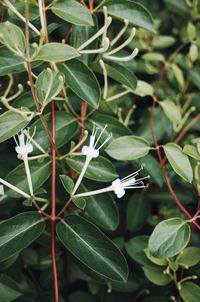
x: 87, y: 243
x: 48, y: 85
x: 56, y: 52
x: 169, y: 238
x: 40, y: 172
x: 171, y: 110
x: 18, y: 232
x: 136, y: 213
x: 156, y: 276
x: 12, y: 37
x: 190, y: 292
x: 10, y: 124
x: 157, y: 261
x: 135, y: 248
x: 192, y: 151
x: 128, y: 148
x: 179, y: 161
x: 21, y: 7
x: 72, y: 12
x: 12, y: 63
x: 82, y: 81
x: 67, y: 183
x: 99, y: 169
x: 190, y: 256
x: 8, y: 262
x: 66, y: 128
x: 118, y: 73
x: 152, y: 167
x: 9, y: 289
x: 100, y: 209
x: 134, y: 12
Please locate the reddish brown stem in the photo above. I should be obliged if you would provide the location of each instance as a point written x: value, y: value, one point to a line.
x: 53, y: 203
x: 91, y: 5
x: 179, y: 204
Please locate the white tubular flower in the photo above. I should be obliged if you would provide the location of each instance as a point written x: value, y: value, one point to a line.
x: 90, y: 152
x: 23, y: 148
x: 1, y: 190
x: 23, y: 144
x: 119, y: 186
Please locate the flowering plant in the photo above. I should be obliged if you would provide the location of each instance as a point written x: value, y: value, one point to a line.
x: 103, y: 154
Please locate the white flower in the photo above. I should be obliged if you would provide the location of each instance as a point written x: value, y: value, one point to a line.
x: 23, y: 148
x: 23, y: 144
x: 1, y: 190
x: 119, y: 186
x: 90, y: 152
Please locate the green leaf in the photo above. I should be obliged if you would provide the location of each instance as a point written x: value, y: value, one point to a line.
x: 21, y: 7
x: 99, y: 169
x: 48, y: 85
x: 190, y: 292
x: 87, y: 243
x: 9, y: 289
x: 179, y: 161
x: 118, y: 73
x: 178, y: 75
x: 18, y: 232
x: 73, y: 12
x: 157, y: 261
x: 136, y: 213
x: 143, y: 89
x: 12, y: 37
x: 10, y: 124
x: 156, y: 276
x: 8, y: 262
x: 192, y: 151
x: 128, y: 148
x: 135, y: 248
x: 82, y: 81
x: 100, y: 209
x: 11, y: 63
x: 67, y: 183
x: 134, y: 12
x: 66, y: 127
x: 169, y: 238
x: 190, y: 256
x: 194, y: 75
x: 172, y: 111
x: 153, y: 56
x: 163, y: 41
x: 152, y: 167
x: 40, y: 172
x: 57, y: 52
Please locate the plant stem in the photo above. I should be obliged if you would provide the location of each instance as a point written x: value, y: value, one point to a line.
x: 179, y: 204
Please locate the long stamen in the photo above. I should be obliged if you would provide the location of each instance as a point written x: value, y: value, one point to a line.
x: 123, y: 44
x: 134, y: 173
x: 124, y: 59
x: 107, y: 139
x: 102, y: 131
